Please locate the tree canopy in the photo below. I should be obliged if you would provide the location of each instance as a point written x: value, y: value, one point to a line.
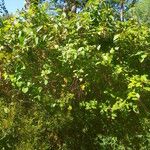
x: 142, y: 11
x: 76, y: 81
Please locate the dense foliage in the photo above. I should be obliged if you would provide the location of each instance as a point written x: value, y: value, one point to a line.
x: 74, y: 82
x: 142, y: 10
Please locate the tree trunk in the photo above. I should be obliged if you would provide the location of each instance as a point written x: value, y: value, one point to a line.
x: 122, y: 10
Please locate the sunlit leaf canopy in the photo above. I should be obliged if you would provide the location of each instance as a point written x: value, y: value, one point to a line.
x: 71, y: 81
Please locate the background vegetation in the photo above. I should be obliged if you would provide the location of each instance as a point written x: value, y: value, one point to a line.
x: 75, y: 81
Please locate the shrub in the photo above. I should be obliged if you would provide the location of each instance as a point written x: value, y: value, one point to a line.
x: 77, y: 83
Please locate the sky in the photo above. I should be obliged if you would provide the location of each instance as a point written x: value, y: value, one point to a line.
x: 13, y: 5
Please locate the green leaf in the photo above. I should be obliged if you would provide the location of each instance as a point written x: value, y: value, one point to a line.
x: 6, y: 110
x: 25, y: 89
x: 39, y: 28
x: 36, y: 40
x: 147, y: 88
x: 116, y: 37
x: 45, y: 82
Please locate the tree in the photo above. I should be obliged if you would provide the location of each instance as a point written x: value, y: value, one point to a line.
x: 142, y: 11
x: 3, y: 9
x: 78, y: 83
x: 122, y: 6
x: 28, y: 3
x: 66, y: 5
